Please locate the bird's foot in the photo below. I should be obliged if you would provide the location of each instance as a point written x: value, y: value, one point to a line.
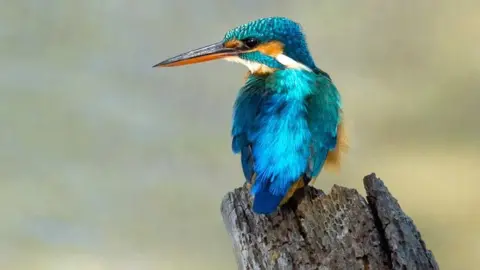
x: 295, y: 199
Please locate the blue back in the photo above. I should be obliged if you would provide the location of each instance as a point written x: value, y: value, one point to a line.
x: 284, y: 124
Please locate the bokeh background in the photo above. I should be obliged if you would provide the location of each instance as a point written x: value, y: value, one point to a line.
x: 106, y: 163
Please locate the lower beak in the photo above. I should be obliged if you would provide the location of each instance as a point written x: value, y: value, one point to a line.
x: 204, y: 54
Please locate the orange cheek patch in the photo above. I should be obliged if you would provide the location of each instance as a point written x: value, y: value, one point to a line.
x: 272, y: 48
x: 233, y: 43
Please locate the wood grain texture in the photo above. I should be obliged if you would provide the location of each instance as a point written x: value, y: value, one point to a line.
x: 405, y: 246
x: 341, y: 230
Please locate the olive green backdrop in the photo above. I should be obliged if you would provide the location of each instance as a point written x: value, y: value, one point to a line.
x: 106, y: 163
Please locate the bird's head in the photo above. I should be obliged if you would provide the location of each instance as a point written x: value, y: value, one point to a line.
x: 264, y: 45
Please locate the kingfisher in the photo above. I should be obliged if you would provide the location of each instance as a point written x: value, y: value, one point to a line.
x: 287, y: 118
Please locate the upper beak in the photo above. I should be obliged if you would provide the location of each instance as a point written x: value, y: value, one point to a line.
x: 207, y: 53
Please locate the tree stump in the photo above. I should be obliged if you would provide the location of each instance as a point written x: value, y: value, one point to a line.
x: 341, y: 230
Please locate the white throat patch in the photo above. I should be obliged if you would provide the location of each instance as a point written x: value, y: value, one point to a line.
x: 252, y: 66
x: 255, y: 67
x: 290, y: 63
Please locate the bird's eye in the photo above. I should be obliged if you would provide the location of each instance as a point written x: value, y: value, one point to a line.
x: 250, y: 43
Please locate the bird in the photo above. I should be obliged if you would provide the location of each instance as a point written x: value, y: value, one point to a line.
x: 287, y: 122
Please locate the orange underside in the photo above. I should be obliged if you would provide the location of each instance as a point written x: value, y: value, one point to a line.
x: 334, y: 157
x: 297, y: 185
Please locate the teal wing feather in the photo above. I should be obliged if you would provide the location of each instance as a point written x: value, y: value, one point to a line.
x: 324, y: 106
x: 245, y: 110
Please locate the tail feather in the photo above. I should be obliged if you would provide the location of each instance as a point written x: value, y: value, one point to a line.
x: 265, y: 202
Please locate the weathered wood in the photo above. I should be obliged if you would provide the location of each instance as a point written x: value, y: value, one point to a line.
x: 340, y: 230
x: 405, y: 247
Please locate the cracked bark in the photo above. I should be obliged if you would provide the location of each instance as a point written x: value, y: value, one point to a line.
x: 340, y: 230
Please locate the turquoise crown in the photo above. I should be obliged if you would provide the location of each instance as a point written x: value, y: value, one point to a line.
x: 280, y: 29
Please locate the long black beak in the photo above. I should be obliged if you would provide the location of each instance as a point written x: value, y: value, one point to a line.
x: 207, y: 53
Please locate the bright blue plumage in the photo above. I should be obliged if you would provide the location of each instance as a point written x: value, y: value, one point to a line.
x: 284, y: 125
x: 287, y: 116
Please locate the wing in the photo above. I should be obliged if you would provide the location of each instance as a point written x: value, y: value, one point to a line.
x: 284, y: 141
x: 280, y: 148
x: 244, y: 113
x: 270, y: 132
x: 325, y: 123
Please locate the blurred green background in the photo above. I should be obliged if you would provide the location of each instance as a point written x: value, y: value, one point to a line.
x: 106, y: 163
